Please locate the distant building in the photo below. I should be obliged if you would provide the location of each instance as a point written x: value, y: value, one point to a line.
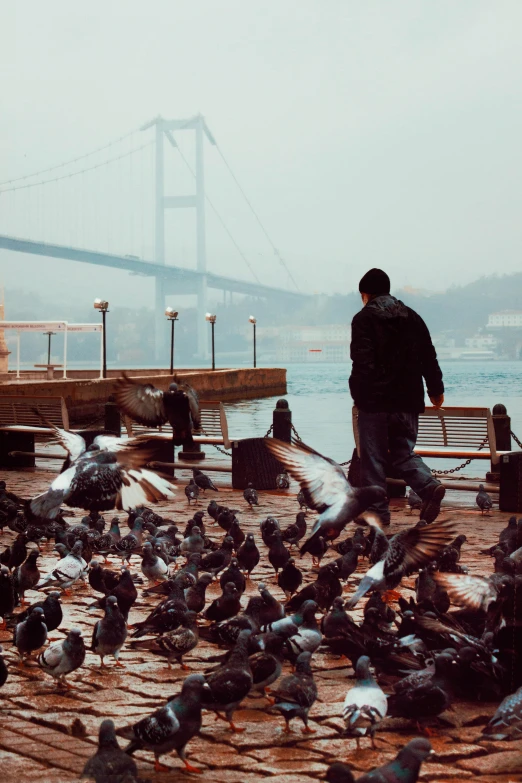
x: 481, y: 342
x: 329, y: 343
x: 505, y: 319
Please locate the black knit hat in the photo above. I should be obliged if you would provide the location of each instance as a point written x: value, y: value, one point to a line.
x: 375, y: 282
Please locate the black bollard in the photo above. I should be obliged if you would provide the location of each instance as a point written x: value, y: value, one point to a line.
x: 502, y: 425
x: 282, y: 421
x: 112, y: 417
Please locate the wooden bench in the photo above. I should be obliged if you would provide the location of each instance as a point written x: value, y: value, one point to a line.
x: 19, y: 424
x: 452, y: 433
x: 214, y: 425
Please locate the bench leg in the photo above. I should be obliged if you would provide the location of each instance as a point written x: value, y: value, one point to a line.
x: 16, y: 441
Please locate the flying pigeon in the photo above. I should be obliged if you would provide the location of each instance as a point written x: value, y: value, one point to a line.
x: 152, y: 407
x: 325, y: 488
x: 109, y: 474
x: 406, y: 552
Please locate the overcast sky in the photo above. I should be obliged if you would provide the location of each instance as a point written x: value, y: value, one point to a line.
x: 370, y: 133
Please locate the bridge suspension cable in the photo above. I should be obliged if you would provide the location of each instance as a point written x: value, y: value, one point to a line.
x: 261, y: 225
x: 80, y: 171
x: 211, y: 205
x: 69, y: 162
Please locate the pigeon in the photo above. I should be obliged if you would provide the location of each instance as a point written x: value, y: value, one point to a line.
x: 109, y: 633
x: 294, y: 533
x: 308, y: 636
x: 268, y: 527
x: 337, y: 622
x: 347, y: 563
x: 192, y: 491
x: 153, y: 567
x: 406, y: 551
x: 30, y: 634
x: 179, y: 406
x: 425, y: 697
x: 405, y: 768
x: 278, y: 554
x: 68, y: 570
x: 483, y: 500
x: 474, y: 592
x: 282, y: 481
x: 506, y: 723
x: 250, y: 495
x: 324, y: 590
x: 248, y: 554
x: 220, y: 558
x: 27, y: 575
x: 195, y: 594
x: 194, y: 543
x: 174, y: 644
x: 290, y: 578
x: 102, y: 580
x: 168, y: 615
x: 8, y: 597
x: 365, y: 704
x: 302, y: 501
x: 3, y: 668
x: 448, y: 559
x: 110, y: 762
x: 414, y: 501
x: 231, y: 682
x: 233, y: 574
x: 108, y: 474
x: 227, y: 605
x: 203, y: 481
x: 296, y: 693
x: 18, y: 552
x: 125, y: 593
x: 266, y: 665
x: 62, y: 658
x: 236, y: 534
x: 130, y: 543
x: 325, y: 488
x: 173, y: 726
x: 52, y: 609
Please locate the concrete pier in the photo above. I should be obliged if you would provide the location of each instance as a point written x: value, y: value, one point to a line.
x: 85, y: 397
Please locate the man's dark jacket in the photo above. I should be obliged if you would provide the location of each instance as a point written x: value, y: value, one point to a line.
x: 392, y: 352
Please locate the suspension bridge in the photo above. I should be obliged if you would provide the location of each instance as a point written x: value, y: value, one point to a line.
x: 119, y: 219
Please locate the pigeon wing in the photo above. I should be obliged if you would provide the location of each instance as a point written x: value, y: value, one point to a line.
x: 47, y: 505
x: 52, y: 656
x: 474, y: 592
x: 193, y: 399
x: 411, y: 548
x: 322, y: 480
x: 141, y: 401
x: 157, y: 728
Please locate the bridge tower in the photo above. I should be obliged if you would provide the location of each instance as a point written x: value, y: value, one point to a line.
x: 164, y: 130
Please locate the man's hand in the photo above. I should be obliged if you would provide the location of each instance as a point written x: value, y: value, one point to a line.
x: 437, y: 402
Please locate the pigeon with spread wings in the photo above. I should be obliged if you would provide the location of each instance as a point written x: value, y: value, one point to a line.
x: 325, y: 489
x: 406, y: 552
x: 179, y: 406
x: 109, y: 474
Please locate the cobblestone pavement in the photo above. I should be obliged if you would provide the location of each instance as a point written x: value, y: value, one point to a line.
x: 47, y: 734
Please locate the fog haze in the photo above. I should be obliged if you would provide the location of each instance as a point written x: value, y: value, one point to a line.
x: 365, y: 134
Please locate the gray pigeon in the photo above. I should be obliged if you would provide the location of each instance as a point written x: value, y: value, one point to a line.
x: 414, y: 501
x: 484, y: 501
x: 251, y: 496
x: 62, y: 658
x: 203, y: 481
x: 325, y: 488
x: 110, y: 632
x: 192, y: 491
x: 296, y: 693
x: 193, y: 543
x: 153, y: 567
x: 283, y: 481
x: 506, y: 723
x: 68, y: 570
x: 110, y: 762
x: 365, y: 703
x: 30, y: 634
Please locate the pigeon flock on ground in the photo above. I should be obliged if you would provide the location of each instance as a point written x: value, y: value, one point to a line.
x: 457, y: 637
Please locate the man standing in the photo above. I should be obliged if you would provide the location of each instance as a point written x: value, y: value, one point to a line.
x: 392, y: 352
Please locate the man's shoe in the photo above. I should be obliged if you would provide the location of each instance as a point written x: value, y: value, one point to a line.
x: 431, y: 507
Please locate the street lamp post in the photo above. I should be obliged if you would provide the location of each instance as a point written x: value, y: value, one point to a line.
x: 212, y: 320
x: 103, y: 307
x: 173, y: 317
x: 49, y: 335
x: 253, y: 321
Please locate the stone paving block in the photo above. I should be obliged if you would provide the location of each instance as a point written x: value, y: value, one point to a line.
x: 291, y: 768
x: 509, y: 761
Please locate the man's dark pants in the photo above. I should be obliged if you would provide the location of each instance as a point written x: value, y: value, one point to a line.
x: 388, y: 439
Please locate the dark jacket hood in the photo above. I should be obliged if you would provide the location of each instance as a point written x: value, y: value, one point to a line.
x: 387, y: 306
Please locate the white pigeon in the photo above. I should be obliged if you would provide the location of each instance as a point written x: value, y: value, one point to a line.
x: 365, y: 704
x: 68, y: 570
x: 109, y: 474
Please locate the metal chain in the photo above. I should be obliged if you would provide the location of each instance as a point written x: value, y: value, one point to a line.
x: 347, y: 463
x: 269, y: 430
x: 223, y: 451
x: 296, y: 434
x: 459, y: 467
x: 519, y: 444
